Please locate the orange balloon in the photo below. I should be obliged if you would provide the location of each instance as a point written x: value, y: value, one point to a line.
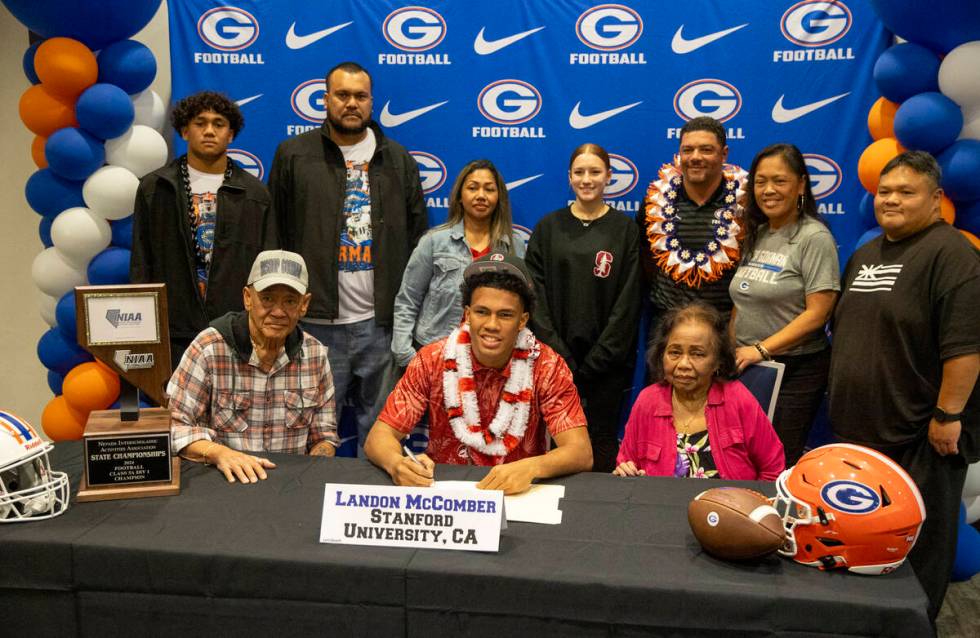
x: 947, y: 210
x: 37, y: 151
x: 881, y: 119
x: 66, y: 67
x: 61, y: 422
x: 44, y: 113
x: 90, y: 386
x: 973, y: 238
x: 874, y: 158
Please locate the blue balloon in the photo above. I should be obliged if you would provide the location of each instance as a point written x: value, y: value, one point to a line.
x: 968, y: 216
x: 105, y: 111
x: 44, y: 231
x: 57, y: 353
x: 928, y: 122
x: 961, y: 168
x: 29, y: 62
x: 73, y: 153
x: 49, y: 194
x: 867, y: 212
x: 128, y: 64
x: 941, y: 26
x: 967, y: 562
x: 867, y: 236
x: 109, y: 267
x: 54, y: 382
x: 905, y: 70
x: 64, y: 313
x: 94, y: 23
x: 122, y: 232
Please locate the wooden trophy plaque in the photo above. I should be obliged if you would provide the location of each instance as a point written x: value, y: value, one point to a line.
x: 127, y: 451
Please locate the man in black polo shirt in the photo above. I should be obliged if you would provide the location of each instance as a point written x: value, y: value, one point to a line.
x: 686, y: 255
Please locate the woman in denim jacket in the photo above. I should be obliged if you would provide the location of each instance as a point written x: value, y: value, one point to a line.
x: 428, y: 305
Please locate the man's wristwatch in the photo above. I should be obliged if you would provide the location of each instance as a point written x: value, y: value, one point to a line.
x: 942, y: 416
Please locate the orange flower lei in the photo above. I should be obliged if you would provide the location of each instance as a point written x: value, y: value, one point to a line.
x: 705, y: 264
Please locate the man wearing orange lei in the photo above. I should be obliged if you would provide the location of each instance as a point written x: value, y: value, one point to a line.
x: 493, y: 393
x: 691, y: 222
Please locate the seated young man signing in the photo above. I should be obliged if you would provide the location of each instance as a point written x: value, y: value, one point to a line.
x: 493, y: 393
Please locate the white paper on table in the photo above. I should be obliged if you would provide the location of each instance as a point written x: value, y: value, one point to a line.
x: 537, y: 505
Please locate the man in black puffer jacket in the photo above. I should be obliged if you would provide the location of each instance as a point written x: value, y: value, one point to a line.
x: 350, y: 201
x: 200, y: 221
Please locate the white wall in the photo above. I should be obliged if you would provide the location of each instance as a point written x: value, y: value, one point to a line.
x: 23, y: 380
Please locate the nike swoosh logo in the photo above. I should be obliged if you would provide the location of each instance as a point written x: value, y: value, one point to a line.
x: 520, y: 182
x: 681, y: 46
x: 781, y: 114
x: 579, y: 121
x: 294, y: 41
x: 486, y: 47
x: 389, y: 119
x: 246, y: 100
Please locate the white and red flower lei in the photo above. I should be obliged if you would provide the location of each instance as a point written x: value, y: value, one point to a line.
x: 459, y: 394
x: 693, y: 266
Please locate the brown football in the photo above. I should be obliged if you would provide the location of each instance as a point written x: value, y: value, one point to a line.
x: 734, y: 523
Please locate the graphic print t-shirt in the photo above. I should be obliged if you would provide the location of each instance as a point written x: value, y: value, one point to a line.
x: 203, y: 216
x: 355, y: 261
x: 906, y: 307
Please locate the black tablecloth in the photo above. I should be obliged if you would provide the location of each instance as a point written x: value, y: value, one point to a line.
x: 231, y: 559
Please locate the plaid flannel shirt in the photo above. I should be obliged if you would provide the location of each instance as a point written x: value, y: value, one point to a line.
x: 216, y: 396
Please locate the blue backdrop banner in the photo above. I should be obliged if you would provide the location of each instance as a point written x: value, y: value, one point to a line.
x: 523, y: 83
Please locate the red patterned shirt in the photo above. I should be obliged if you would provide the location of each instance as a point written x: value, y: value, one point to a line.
x: 555, y: 405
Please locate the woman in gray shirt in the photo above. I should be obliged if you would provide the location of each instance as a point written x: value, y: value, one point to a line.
x: 785, y: 289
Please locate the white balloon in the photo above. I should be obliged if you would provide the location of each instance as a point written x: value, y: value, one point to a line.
x: 110, y: 192
x: 972, y: 486
x: 971, y: 124
x: 959, y: 75
x: 140, y: 149
x: 972, y: 510
x: 47, y: 305
x: 150, y: 110
x: 79, y: 234
x: 54, y: 274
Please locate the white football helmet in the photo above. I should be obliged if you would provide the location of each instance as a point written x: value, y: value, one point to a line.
x: 29, y: 489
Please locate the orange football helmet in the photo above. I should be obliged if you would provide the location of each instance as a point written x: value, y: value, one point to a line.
x: 847, y: 506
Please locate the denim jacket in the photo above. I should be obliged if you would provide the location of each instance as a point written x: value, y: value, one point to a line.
x: 429, y: 303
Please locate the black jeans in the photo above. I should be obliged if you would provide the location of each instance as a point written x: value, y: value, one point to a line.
x: 602, y: 401
x: 803, y: 388
x: 940, y: 480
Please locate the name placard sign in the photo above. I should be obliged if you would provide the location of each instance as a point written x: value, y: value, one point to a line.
x: 423, y: 517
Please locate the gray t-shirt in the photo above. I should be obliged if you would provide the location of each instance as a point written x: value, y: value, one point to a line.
x: 769, y: 289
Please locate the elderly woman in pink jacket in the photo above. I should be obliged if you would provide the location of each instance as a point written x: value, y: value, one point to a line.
x: 693, y: 421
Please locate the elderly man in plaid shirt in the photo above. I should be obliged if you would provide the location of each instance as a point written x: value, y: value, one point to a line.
x: 255, y: 382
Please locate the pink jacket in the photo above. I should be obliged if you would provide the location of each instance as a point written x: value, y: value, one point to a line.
x: 744, y: 445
